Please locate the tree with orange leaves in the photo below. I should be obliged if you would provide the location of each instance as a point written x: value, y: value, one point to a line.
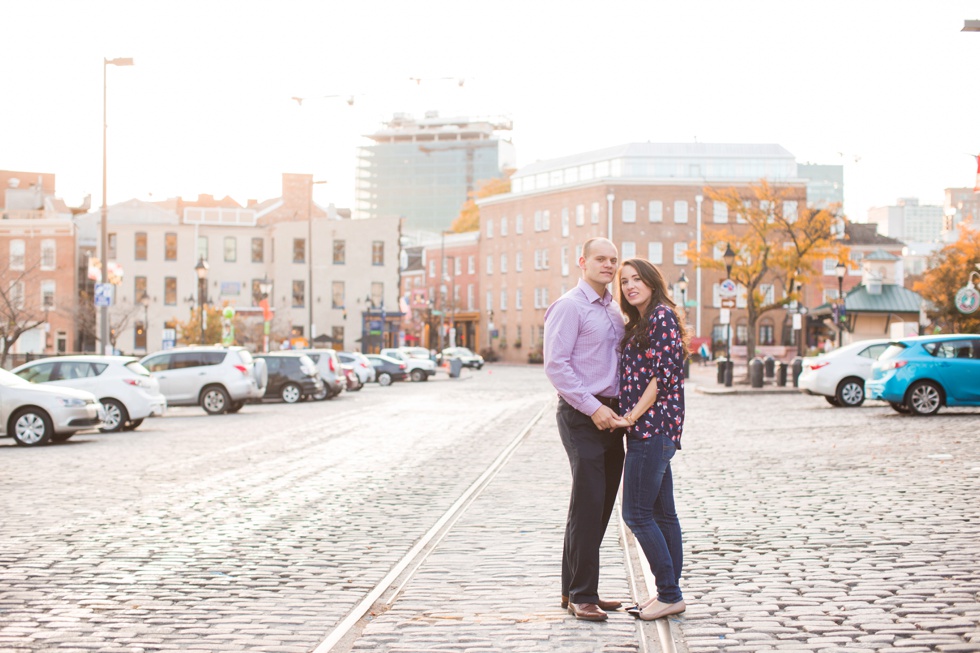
x: 469, y: 216
x: 950, y: 269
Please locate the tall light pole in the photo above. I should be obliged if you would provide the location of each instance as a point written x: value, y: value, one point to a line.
x: 145, y: 301
x: 452, y: 298
x: 729, y: 257
x: 682, y: 286
x: 698, y: 199
x: 311, y: 327
x: 104, y: 227
x: 841, y: 271
x: 202, y: 289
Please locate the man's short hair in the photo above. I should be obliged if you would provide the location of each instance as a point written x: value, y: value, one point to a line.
x: 588, y: 244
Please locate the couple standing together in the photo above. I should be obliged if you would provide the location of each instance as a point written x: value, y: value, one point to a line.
x: 615, y: 379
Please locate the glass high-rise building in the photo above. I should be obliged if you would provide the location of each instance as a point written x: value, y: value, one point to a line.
x: 424, y: 170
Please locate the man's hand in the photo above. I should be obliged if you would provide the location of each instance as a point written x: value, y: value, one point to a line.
x: 606, y: 419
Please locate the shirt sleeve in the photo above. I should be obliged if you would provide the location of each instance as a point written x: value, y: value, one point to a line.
x: 663, y: 336
x: 561, y: 327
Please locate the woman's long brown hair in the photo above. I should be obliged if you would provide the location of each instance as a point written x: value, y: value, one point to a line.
x: 638, y: 326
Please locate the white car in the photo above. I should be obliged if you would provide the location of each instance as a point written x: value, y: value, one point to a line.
x: 420, y: 366
x: 218, y: 379
x: 362, y: 366
x: 124, y: 387
x: 839, y: 376
x: 37, y: 414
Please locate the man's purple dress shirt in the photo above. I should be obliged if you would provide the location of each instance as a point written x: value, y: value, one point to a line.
x: 582, y: 332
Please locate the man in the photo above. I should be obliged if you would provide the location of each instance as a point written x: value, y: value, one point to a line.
x: 582, y: 330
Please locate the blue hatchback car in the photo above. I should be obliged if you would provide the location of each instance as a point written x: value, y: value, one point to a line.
x: 919, y: 375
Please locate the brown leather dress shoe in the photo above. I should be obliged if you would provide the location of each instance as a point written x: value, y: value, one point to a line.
x: 605, y: 605
x: 587, y: 611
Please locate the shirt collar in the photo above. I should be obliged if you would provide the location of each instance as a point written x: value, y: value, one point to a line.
x: 592, y: 295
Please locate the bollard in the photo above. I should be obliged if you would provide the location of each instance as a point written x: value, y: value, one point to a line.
x: 781, y: 374
x: 687, y: 367
x: 729, y: 373
x: 797, y: 365
x: 755, y: 372
x: 770, y: 366
x: 721, y: 369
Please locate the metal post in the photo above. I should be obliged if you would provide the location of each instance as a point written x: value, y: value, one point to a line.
x: 840, y: 301
x: 609, y: 216
x: 697, y: 271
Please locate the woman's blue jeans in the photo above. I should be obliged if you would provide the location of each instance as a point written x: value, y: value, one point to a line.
x: 648, y: 510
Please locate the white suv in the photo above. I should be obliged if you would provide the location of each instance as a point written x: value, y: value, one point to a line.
x: 419, y: 366
x: 218, y: 379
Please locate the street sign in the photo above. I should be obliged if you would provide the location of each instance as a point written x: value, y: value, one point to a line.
x: 728, y: 302
x: 103, y: 294
x: 725, y: 316
x: 727, y: 288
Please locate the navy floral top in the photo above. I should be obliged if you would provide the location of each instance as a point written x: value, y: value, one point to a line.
x: 664, y: 360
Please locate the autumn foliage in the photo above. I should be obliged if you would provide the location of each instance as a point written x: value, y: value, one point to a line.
x: 949, y: 270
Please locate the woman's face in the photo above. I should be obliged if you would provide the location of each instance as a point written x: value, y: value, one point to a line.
x: 634, y: 290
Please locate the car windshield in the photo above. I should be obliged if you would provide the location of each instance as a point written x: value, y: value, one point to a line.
x: 893, y: 350
x: 417, y: 352
x: 11, y: 379
x: 136, y: 368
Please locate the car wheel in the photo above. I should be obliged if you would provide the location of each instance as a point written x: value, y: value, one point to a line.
x: 899, y: 408
x: 290, y: 393
x: 384, y: 379
x: 215, y: 400
x: 832, y: 401
x: 320, y: 395
x: 133, y: 424
x: 355, y: 386
x: 31, y: 427
x: 235, y: 406
x: 924, y: 398
x: 850, y: 392
x: 116, y: 416
x: 418, y: 375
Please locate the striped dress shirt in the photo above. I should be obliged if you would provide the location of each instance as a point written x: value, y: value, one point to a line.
x: 582, y: 332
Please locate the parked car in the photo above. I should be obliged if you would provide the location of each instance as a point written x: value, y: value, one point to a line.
x: 354, y: 382
x: 420, y: 366
x: 293, y: 376
x: 327, y: 363
x: 466, y: 356
x: 218, y: 379
x: 125, y: 388
x: 362, y: 366
x: 388, y: 369
x: 919, y: 375
x: 839, y: 376
x: 35, y: 414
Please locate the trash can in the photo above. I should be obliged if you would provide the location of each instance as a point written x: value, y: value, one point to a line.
x: 755, y: 372
x: 781, y: 374
x: 455, y: 367
x: 770, y: 366
x: 721, y: 369
x: 797, y: 366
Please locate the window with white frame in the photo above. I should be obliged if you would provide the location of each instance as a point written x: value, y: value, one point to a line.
x: 519, y: 261
x: 628, y: 250
x: 537, y: 298
x: 545, y: 220
x: 49, y: 257
x: 629, y: 210
x: 716, y: 295
x: 489, y: 305
x: 564, y: 222
x: 742, y: 298
x: 17, y: 249
x: 680, y: 253
x: 544, y: 259
x: 518, y: 224
x: 578, y: 253
x: 518, y: 299
x: 656, y: 209
x: 595, y: 213
x: 564, y: 260
x: 746, y: 210
x: 47, y: 295
x: 830, y: 266
x: 768, y: 292
x: 579, y: 215
x: 537, y: 259
x: 432, y: 267
x: 16, y: 293
x: 489, y: 263
x: 503, y: 264
x: 537, y: 221
x: 503, y: 299
x: 655, y: 252
x: 680, y: 211
x: 544, y: 298
x: 829, y: 295
x: 471, y: 264
x: 457, y: 266
x: 766, y: 207
x: 718, y: 251
x: 719, y: 212
x: 790, y: 211
x: 470, y: 296
x: 489, y: 227
x: 503, y: 225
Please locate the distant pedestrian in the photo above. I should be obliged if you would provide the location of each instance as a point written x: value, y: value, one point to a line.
x: 652, y: 400
x: 582, y: 332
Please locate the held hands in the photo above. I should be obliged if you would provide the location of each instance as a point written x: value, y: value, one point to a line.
x: 606, y: 419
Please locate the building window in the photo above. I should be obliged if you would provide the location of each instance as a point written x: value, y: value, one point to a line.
x: 299, y: 250
x: 49, y: 255
x: 377, y: 293
x: 231, y: 249
x: 518, y: 299
x: 537, y: 221
x: 741, y: 333
x: 113, y: 241
x: 519, y: 224
x: 629, y: 250
x: 629, y: 210
x: 17, y: 249
x: 471, y: 264
x: 489, y: 264
x: 458, y: 266
x: 503, y: 300
x: 746, y: 210
x: 656, y: 209
x: 489, y: 227
x: 170, y: 246
x: 519, y: 261
x: 503, y: 264
x: 432, y: 267
x: 595, y: 213
x: 299, y: 293
x: 767, y: 334
x: 202, y: 248
x: 470, y: 296
x: 680, y: 211
x: 579, y: 215
x: 680, y: 253
x: 47, y: 295
x: 564, y: 261
x: 719, y: 211
x: 139, y: 288
x: 340, y: 252
x: 545, y: 220
x: 337, y: 296
x: 170, y: 291
x: 258, y: 250
x: 503, y: 225
x: 564, y: 222
x: 139, y: 336
x: 378, y: 252
x: 139, y: 249
x: 17, y: 294
x: 655, y: 252
x: 790, y: 211
x: 489, y: 305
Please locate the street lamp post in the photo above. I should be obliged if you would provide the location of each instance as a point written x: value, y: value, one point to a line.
x: 311, y: 327
x: 452, y: 299
x: 265, y: 288
x: 682, y: 286
x: 145, y: 301
x: 104, y: 227
x: 729, y: 257
x: 202, y: 288
x: 841, y: 271
x: 801, y: 312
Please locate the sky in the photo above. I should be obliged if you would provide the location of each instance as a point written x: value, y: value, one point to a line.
x: 882, y: 87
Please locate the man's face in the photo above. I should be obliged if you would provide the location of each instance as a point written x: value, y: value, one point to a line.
x: 600, y: 266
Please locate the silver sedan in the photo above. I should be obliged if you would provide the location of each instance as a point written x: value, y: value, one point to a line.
x: 38, y: 414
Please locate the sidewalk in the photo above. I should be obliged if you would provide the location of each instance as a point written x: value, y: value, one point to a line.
x: 704, y: 380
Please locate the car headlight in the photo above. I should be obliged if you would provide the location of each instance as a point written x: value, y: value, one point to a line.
x: 72, y: 402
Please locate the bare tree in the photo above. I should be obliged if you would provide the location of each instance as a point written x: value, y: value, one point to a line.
x: 18, y: 315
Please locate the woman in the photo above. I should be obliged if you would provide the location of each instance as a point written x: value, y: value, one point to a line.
x: 652, y: 396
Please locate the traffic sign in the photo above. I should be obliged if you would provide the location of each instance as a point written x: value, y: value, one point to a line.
x: 728, y: 302
x: 727, y: 288
x: 103, y: 294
